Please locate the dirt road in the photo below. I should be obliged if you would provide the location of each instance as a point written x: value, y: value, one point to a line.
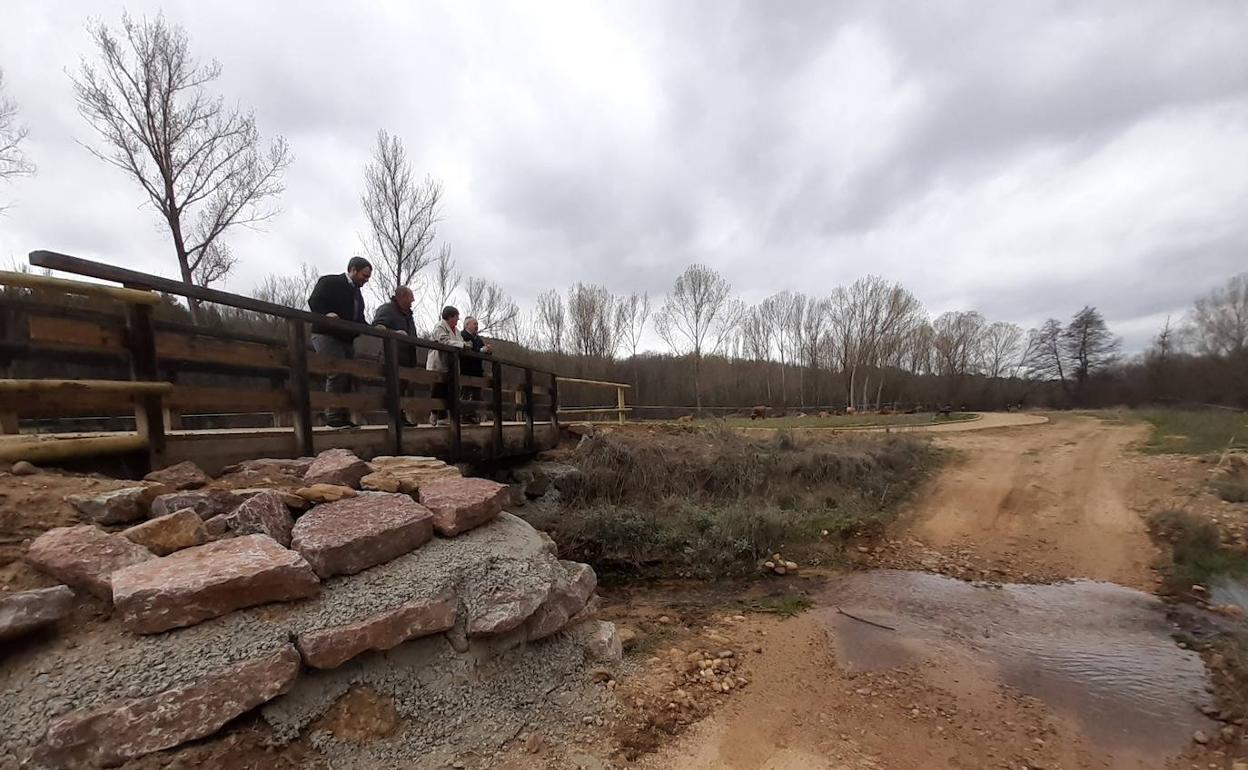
x: 946, y: 674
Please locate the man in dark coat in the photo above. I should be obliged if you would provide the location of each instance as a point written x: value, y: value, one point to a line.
x: 338, y: 296
x: 472, y: 367
x: 396, y: 315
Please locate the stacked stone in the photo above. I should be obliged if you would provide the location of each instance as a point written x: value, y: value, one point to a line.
x: 362, y: 571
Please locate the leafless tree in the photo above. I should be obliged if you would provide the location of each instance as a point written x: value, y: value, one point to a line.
x: 870, y: 321
x: 1089, y: 345
x: 442, y: 285
x: 631, y: 315
x: 493, y: 308
x: 551, y: 321
x: 1000, y: 349
x: 592, y: 330
x: 402, y: 215
x: 522, y: 330
x: 697, y: 306
x: 291, y: 290
x: 957, y: 338
x: 200, y: 163
x: 13, y: 162
x: 1045, y: 357
x: 1219, y: 320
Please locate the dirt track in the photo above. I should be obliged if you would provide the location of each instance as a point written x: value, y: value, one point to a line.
x: 1047, y: 501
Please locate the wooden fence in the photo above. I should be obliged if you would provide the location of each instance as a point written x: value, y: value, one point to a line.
x: 173, y: 369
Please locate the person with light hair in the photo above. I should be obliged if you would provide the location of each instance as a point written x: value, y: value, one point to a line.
x: 447, y: 333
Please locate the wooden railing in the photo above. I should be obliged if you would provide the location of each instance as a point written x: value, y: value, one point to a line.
x: 620, y: 410
x: 216, y: 369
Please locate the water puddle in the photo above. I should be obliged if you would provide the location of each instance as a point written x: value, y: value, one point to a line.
x: 1096, y: 651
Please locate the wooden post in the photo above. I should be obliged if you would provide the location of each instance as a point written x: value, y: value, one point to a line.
x: 394, y: 402
x: 496, y: 388
x: 554, y: 404
x: 297, y: 381
x: 452, y: 405
x: 619, y: 402
x: 528, y: 409
x: 149, y: 416
x: 8, y: 422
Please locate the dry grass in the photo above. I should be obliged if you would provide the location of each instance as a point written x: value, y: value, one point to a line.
x: 713, y: 502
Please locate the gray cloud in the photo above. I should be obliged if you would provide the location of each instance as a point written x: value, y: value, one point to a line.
x: 1023, y: 159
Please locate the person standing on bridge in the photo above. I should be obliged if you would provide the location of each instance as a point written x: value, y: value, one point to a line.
x: 338, y: 296
x: 446, y: 333
x: 396, y: 315
x: 473, y: 367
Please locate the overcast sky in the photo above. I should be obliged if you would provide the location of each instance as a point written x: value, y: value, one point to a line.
x: 1022, y: 159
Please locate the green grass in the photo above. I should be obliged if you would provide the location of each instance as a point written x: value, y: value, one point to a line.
x: 1195, y: 432
x: 784, y: 606
x: 1197, y: 553
x: 847, y: 421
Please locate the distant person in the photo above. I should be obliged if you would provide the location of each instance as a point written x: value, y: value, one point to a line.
x: 396, y: 315
x: 473, y: 367
x: 338, y: 296
x: 446, y: 333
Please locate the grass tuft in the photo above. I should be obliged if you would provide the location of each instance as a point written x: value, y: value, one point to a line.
x: 1178, y: 431
x: 1197, y: 553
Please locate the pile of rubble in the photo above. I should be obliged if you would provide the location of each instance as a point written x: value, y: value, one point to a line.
x: 282, y: 583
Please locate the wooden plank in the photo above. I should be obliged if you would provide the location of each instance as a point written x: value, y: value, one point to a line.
x: 78, y: 403
x: 595, y: 382
x: 619, y: 402
x: 554, y: 402
x: 44, y: 387
x: 423, y: 404
x: 468, y: 381
x: 300, y: 397
x: 9, y: 423
x: 361, y: 401
x: 79, y: 288
x: 176, y: 346
x: 149, y: 414
x: 76, y: 333
x: 47, y: 450
x: 421, y: 376
x: 528, y: 410
x: 362, y: 368
x: 393, y: 395
x: 228, y: 400
x: 496, y: 397
x: 593, y: 410
x: 453, y: 410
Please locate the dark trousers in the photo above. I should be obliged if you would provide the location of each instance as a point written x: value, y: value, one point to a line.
x: 332, y: 347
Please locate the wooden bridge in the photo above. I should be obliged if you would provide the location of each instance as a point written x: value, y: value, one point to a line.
x: 251, y: 393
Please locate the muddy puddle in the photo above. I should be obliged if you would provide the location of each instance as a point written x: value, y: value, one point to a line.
x: 1097, y: 652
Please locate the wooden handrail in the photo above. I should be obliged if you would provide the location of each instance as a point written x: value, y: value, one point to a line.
x: 108, y: 386
x: 69, y: 264
x: 595, y: 382
x: 80, y: 288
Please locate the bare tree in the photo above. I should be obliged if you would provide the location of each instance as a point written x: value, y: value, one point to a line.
x: 1045, y: 357
x: 592, y: 330
x: 631, y: 315
x: 291, y: 290
x: 552, y: 321
x: 521, y: 329
x: 697, y: 306
x: 13, y: 162
x: 1089, y: 345
x: 493, y: 308
x: 956, y: 342
x: 1000, y: 348
x: 199, y: 162
x: 1219, y: 320
x: 444, y: 282
x: 870, y: 322
x: 402, y: 214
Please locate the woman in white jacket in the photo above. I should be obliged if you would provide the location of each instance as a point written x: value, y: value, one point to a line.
x: 446, y: 333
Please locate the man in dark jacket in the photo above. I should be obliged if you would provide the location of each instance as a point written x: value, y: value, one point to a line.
x: 338, y: 296
x: 472, y: 367
x: 396, y: 315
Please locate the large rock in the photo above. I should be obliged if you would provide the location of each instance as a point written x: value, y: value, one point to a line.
x: 24, y: 611
x: 324, y: 493
x: 332, y: 646
x: 406, y: 474
x: 184, y: 475
x: 262, y: 514
x: 198, y: 583
x: 117, y: 506
x: 206, y: 502
x: 351, y: 535
x: 574, y: 584
x: 600, y: 640
x: 111, y: 733
x: 172, y: 532
x: 292, y: 500
x: 458, y: 505
x: 336, y: 466
x: 272, y: 466
x: 84, y: 557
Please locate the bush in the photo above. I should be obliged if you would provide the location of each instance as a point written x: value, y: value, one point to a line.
x: 1232, y: 490
x: 1197, y: 553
